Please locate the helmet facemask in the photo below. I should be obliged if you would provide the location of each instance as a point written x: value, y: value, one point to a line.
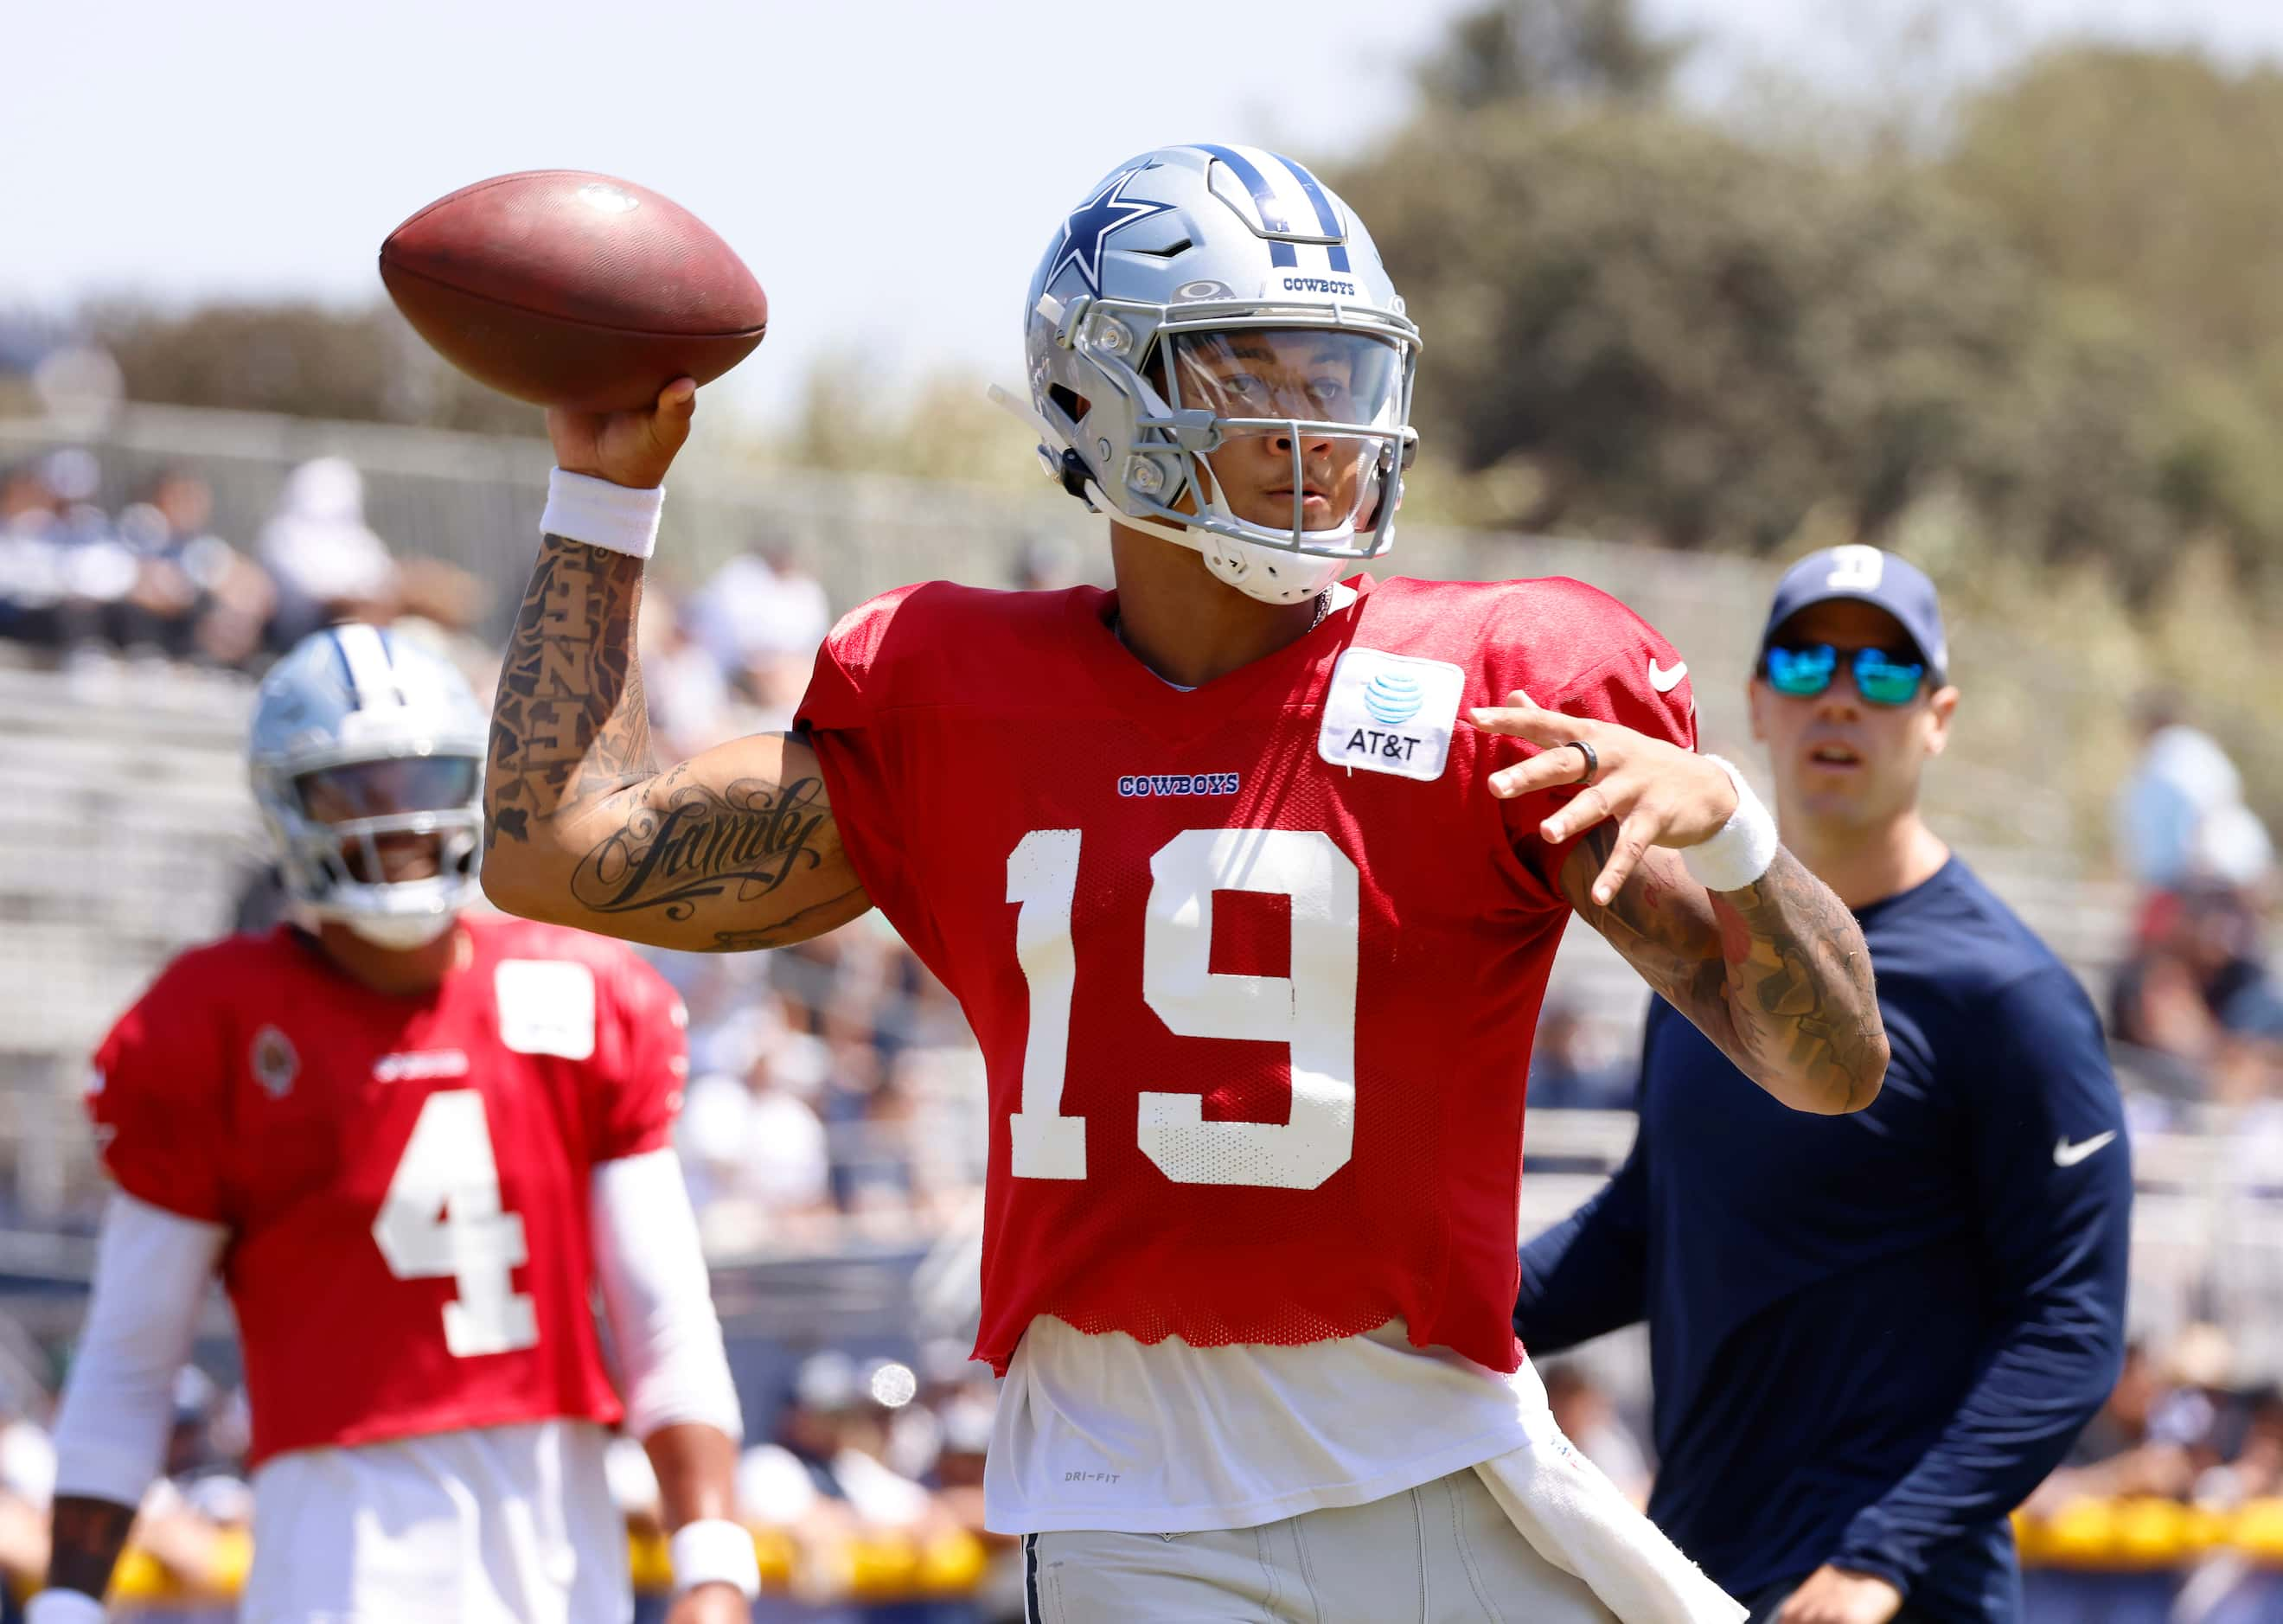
x: 1307, y: 434
x: 1224, y: 392
x: 366, y: 755
x: 1212, y: 327
x: 385, y: 845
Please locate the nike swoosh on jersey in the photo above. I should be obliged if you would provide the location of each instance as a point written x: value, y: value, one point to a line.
x: 1663, y: 680
x: 2067, y: 1155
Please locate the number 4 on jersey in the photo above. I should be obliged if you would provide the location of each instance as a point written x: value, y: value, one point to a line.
x: 1311, y: 1012
x: 441, y: 1216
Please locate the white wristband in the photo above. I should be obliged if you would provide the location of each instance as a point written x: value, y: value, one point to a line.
x: 581, y: 508
x: 64, y: 1607
x: 715, y: 1550
x: 1740, y: 853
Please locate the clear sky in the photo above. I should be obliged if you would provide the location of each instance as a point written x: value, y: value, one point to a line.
x: 890, y: 171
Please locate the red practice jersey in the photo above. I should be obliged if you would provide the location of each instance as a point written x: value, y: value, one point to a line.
x: 404, y: 1180
x: 1255, y: 967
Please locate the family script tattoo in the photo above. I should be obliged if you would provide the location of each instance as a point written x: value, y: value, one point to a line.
x: 745, y: 841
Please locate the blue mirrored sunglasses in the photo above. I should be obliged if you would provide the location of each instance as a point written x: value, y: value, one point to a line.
x: 1806, y: 669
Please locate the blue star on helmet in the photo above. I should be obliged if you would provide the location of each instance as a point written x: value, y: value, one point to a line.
x: 1087, y: 231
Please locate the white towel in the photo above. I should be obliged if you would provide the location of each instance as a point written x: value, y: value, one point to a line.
x: 1577, y: 1520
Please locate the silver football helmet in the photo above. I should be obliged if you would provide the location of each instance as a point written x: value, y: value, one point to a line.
x: 1204, y: 295
x: 361, y: 737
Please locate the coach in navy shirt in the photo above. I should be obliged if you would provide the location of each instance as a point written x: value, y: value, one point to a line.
x: 1872, y: 1335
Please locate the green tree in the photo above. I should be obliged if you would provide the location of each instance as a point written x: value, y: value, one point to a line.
x: 1541, y: 50
x: 2145, y: 179
x: 1688, y: 338
x: 297, y: 357
x: 2149, y: 175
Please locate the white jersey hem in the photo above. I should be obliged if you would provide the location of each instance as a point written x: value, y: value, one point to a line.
x: 1484, y: 1446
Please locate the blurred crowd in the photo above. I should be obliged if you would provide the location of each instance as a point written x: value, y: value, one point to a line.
x: 154, y: 579
x: 2195, y: 1010
x: 863, y: 1481
x: 2181, y: 1424
x: 835, y: 1096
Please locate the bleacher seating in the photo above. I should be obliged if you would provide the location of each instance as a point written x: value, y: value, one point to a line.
x: 125, y: 826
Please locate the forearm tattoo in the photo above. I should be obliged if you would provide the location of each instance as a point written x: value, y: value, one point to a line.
x: 85, y: 1541
x: 745, y: 842
x: 795, y: 927
x: 1777, y: 973
x: 570, y: 723
x: 680, y: 856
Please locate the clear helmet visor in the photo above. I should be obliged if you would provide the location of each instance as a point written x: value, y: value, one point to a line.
x: 1281, y: 397
x: 392, y: 785
x: 393, y: 822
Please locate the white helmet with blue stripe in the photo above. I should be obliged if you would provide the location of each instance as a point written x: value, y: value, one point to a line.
x: 367, y: 761
x: 1201, y: 296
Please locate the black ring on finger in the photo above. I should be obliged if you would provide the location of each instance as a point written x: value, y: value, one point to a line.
x: 1593, y: 761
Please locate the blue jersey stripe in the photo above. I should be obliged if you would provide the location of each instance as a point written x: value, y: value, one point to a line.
x: 1264, y: 199
x: 1326, y: 216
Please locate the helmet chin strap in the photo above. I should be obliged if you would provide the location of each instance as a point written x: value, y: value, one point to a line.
x: 1229, y: 566
x: 398, y: 933
x: 394, y: 932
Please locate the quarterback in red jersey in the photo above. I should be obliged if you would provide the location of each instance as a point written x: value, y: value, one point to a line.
x: 411, y: 1143
x: 1248, y: 875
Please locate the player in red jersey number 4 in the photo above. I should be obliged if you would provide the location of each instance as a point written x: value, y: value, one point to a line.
x: 1248, y: 875
x: 411, y: 1142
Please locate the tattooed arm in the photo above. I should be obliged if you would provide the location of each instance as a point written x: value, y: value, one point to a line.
x: 735, y: 849
x: 1777, y: 974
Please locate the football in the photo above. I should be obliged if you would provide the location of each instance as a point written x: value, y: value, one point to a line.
x: 569, y: 289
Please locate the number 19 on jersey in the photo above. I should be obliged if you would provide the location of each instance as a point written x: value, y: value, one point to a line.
x: 1311, y: 1012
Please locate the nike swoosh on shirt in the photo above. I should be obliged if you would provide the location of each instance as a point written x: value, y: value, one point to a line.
x: 1663, y: 680
x: 2067, y: 1155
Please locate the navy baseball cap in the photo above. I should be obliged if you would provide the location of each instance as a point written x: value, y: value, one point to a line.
x: 1866, y: 575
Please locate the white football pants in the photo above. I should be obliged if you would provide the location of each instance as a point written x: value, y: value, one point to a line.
x: 503, y: 1525
x: 1443, y: 1553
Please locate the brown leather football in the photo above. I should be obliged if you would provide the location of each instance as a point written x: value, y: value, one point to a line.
x: 570, y: 289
